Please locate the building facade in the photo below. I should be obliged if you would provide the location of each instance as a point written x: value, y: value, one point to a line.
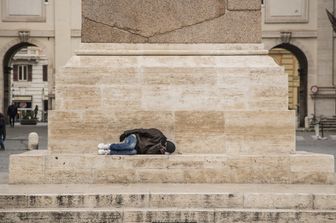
x: 301, y: 28
x: 53, y: 26
x: 28, y: 82
x: 297, y: 33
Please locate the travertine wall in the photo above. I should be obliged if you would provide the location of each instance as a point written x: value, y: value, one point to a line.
x: 171, y: 21
x: 229, y: 98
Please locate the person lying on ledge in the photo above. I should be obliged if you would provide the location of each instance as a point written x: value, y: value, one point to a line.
x: 139, y: 141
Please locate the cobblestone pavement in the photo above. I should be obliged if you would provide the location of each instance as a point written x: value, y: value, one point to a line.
x: 17, y: 140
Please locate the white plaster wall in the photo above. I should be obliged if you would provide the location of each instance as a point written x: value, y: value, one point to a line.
x: 311, y: 25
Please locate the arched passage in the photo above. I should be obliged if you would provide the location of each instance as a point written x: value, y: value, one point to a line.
x: 25, y: 79
x: 302, y: 71
x: 7, y: 69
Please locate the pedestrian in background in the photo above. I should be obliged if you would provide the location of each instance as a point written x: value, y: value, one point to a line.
x: 2, y: 131
x: 11, y: 112
x: 35, y: 112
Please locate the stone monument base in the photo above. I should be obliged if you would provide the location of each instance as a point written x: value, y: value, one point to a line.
x: 224, y: 105
x: 39, y: 167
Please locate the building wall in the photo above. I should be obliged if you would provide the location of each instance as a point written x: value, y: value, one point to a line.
x: 58, y: 35
x: 314, y: 37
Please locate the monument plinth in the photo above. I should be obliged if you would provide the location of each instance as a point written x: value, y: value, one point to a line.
x: 199, y: 73
x: 196, y: 69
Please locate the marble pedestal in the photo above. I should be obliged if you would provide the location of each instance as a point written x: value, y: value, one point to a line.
x: 225, y: 106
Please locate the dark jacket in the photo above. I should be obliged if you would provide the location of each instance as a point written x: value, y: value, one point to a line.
x: 2, y: 128
x: 149, y: 141
x: 12, y: 111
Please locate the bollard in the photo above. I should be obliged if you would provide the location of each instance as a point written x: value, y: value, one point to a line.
x: 33, y: 141
x: 306, y: 122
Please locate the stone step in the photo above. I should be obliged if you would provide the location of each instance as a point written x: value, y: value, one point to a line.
x: 180, y: 196
x: 43, y: 168
x: 170, y: 215
x: 167, y: 203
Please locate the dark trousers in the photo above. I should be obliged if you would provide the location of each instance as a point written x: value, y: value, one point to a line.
x: 11, y: 120
x: 2, y: 145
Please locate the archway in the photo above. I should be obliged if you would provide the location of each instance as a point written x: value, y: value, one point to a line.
x: 22, y: 70
x: 299, y: 102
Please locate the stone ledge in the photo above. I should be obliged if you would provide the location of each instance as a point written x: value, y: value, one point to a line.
x: 166, y: 215
x: 126, y: 49
x: 303, y: 197
x: 41, y: 168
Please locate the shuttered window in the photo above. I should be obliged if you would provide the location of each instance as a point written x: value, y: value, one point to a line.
x: 30, y: 72
x: 15, y: 72
x: 22, y: 72
x: 45, y: 72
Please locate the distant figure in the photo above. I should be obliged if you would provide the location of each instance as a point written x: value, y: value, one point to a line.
x: 11, y: 112
x: 35, y: 111
x: 139, y: 141
x: 2, y: 131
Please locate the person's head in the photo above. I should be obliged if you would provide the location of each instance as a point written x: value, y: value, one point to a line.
x: 170, y: 147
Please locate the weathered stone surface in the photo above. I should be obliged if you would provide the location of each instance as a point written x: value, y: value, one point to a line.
x: 244, y: 4
x: 229, y: 101
x: 167, y: 169
x: 170, y: 21
x: 30, y: 166
x: 166, y: 215
x: 225, y: 99
x: 279, y: 201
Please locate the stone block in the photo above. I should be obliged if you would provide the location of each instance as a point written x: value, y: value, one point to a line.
x: 168, y: 215
x: 259, y: 144
x: 265, y: 216
x: 199, y: 143
x: 98, y: 76
x: 180, y: 76
x: 13, y: 201
x: 169, y: 22
x: 193, y: 168
x: 209, y: 31
x: 278, y: 201
x: 259, y: 122
x: 325, y: 201
x: 302, y: 162
x: 28, y: 166
x: 199, y: 122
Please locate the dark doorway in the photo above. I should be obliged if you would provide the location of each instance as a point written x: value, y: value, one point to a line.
x: 302, y: 109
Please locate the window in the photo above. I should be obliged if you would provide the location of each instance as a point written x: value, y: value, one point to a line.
x: 45, y: 72
x: 23, y: 72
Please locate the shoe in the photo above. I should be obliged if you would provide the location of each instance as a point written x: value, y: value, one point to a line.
x: 103, y: 152
x: 102, y: 146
